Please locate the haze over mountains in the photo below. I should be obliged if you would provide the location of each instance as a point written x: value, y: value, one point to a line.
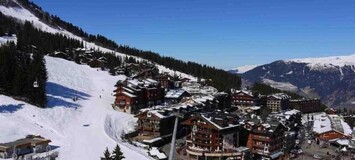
x: 330, y: 78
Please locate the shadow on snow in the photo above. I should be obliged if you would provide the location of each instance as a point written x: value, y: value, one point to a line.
x: 11, y: 108
x: 58, y: 95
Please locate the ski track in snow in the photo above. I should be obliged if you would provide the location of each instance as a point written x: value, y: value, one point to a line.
x: 78, y: 129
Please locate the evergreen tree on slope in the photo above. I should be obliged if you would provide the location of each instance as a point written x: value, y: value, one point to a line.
x: 117, y: 153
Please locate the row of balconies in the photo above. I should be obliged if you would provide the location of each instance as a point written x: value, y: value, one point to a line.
x: 200, y: 152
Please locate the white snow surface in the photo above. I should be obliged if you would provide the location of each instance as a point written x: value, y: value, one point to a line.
x: 6, y: 39
x: 321, y: 123
x: 81, y: 129
x: 246, y: 68
x: 327, y: 62
x: 285, y: 86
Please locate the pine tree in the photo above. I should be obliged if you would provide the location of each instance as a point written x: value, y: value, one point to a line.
x: 117, y: 153
x: 107, y: 155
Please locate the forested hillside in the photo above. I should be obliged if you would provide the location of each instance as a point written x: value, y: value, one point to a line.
x: 221, y: 79
x: 23, y: 74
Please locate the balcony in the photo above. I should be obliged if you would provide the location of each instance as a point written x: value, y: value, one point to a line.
x: 202, y: 143
x: 203, y: 131
x: 202, y: 137
x: 200, y: 152
x: 260, y: 138
x: 262, y: 146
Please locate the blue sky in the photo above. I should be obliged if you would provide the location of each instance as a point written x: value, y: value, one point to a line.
x: 222, y: 33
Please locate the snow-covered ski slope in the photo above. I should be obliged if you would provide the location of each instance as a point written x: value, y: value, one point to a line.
x: 23, y: 15
x: 78, y: 130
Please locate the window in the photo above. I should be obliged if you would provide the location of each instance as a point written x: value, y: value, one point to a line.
x: 122, y: 102
x: 194, y: 128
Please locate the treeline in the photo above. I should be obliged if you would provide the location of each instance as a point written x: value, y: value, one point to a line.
x: 22, y: 64
x: 8, y: 25
x: 23, y: 74
x: 265, y: 89
x: 45, y: 42
x: 221, y: 79
x: 56, y: 22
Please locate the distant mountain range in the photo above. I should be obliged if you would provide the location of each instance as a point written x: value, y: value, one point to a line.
x: 330, y: 78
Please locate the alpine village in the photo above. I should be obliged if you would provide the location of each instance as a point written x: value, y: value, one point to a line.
x: 66, y: 94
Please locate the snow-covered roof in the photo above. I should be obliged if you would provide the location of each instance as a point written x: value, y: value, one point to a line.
x: 346, y: 127
x: 152, y: 140
x: 343, y: 142
x: 321, y: 123
x: 254, y: 108
x: 155, y: 152
x: 129, y: 94
x: 247, y: 92
x: 220, y: 116
x: 280, y: 96
x: 134, y: 82
x: 324, y: 123
x: 175, y: 93
x: 292, y: 112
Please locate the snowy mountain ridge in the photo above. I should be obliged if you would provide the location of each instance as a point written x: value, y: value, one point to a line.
x: 326, y: 62
x: 243, y: 69
x: 331, y: 79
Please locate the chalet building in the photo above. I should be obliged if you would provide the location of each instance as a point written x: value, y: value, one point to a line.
x: 214, y: 135
x: 330, y: 111
x: 164, y: 80
x: 133, y: 95
x: 146, y: 73
x: 29, y: 145
x: 266, y: 140
x: 208, y: 103
x: 195, y: 88
x: 278, y: 102
x: 330, y: 128
x: 176, y: 95
x: 155, y: 123
x: 306, y: 105
x: 242, y: 98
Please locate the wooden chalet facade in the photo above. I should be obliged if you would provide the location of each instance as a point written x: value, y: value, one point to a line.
x: 266, y: 140
x: 164, y: 80
x: 242, y: 98
x: 306, y: 105
x: 213, y: 135
x: 132, y: 95
x: 176, y: 95
x: 29, y: 145
x: 155, y: 123
x: 330, y: 128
